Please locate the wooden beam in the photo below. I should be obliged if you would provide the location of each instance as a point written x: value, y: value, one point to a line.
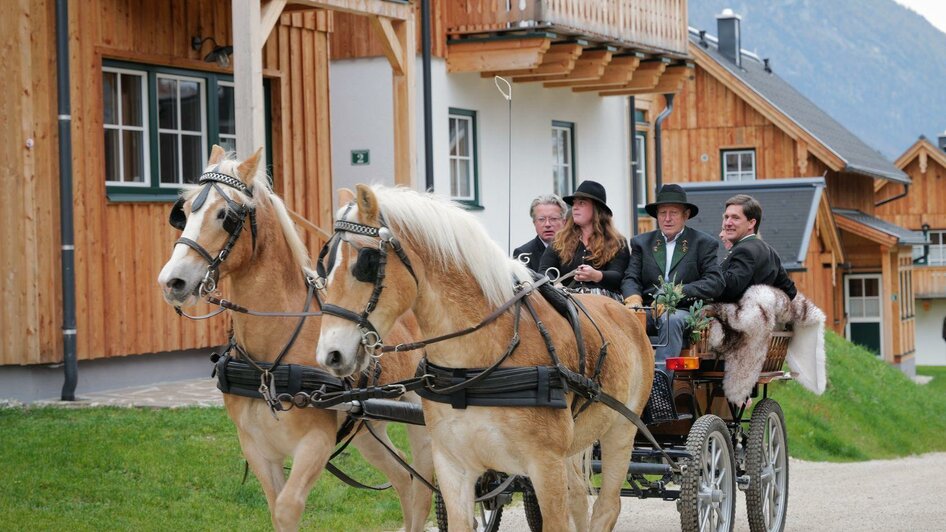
x: 270, y: 12
x: 248, y: 78
x: 588, y: 67
x: 618, y: 72
x: 391, y: 10
x: 671, y: 81
x: 886, y: 240
x: 801, y: 156
x: 506, y: 54
x: 404, y: 85
x: 558, y: 60
x: 645, y: 77
x: 384, y: 30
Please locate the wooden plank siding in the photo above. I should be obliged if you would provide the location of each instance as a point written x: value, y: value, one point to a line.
x: 120, y: 247
x: 355, y: 38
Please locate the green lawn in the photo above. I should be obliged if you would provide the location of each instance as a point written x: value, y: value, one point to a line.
x: 143, y: 469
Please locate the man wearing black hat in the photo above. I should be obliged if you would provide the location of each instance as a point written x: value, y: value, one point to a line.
x: 672, y: 252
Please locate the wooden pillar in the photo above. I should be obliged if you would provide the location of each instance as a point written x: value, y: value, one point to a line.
x: 248, y: 40
x: 405, y: 130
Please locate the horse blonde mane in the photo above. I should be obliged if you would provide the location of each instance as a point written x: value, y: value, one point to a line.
x: 453, y: 237
x: 261, y: 182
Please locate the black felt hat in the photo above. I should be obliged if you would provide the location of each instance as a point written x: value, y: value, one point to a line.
x: 671, y: 193
x: 591, y: 190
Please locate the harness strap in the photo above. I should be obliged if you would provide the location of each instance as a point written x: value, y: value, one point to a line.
x: 196, y: 247
x: 400, y: 460
x: 531, y: 287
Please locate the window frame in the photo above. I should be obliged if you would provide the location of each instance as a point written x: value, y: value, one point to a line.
x: 724, y: 175
x: 472, y: 201
x: 153, y: 190
x: 569, y: 128
x: 120, y: 127
x: 640, y: 167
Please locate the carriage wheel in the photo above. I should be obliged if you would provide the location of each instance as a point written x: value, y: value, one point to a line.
x: 531, y: 505
x: 708, y: 486
x: 488, y: 513
x: 767, y: 467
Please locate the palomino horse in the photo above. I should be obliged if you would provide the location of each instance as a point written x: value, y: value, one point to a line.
x: 267, y: 272
x: 451, y: 274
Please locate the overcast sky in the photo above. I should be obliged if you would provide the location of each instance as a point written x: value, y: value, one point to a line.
x: 933, y: 10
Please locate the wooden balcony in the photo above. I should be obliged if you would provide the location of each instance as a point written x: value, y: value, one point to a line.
x: 929, y: 282
x: 649, y: 26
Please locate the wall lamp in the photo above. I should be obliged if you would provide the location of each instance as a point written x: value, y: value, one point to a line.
x: 219, y: 54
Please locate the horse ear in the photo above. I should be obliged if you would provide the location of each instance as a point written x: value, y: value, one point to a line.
x: 247, y: 169
x: 367, y: 203
x: 216, y: 155
x: 345, y: 196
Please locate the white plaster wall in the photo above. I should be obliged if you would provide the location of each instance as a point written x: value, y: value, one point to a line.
x: 361, y: 119
x: 930, y: 346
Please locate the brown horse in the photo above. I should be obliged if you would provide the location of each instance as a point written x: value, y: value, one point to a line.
x: 266, y: 272
x: 453, y: 276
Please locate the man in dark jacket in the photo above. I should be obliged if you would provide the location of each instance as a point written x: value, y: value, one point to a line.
x: 548, y: 216
x: 750, y: 260
x: 672, y: 252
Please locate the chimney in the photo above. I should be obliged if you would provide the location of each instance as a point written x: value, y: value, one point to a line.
x: 941, y: 141
x: 730, y: 36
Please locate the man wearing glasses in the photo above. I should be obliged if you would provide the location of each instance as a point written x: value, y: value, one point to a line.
x: 548, y: 216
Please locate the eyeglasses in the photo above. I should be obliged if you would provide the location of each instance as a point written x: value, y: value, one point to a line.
x: 552, y: 219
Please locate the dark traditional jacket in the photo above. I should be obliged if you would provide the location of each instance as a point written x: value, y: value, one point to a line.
x: 694, y: 264
x: 533, y: 250
x: 612, y: 271
x: 752, y: 261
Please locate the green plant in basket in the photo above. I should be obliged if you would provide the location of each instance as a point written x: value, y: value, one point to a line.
x: 697, y: 321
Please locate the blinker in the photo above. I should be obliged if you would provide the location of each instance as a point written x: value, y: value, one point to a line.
x: 177, y: 218
x: 366, y: 267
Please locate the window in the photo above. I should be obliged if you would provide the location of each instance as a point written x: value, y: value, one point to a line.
x: 159, y: 124
x: 639, y: 167
x: 738, y: 165
x: 463, y: 164
x: 936, y: 256
x: 563, y: 157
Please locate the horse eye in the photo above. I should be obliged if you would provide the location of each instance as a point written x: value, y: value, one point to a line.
x: 221, y: 214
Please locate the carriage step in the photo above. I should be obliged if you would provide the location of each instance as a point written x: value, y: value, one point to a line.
x: 637, y: 468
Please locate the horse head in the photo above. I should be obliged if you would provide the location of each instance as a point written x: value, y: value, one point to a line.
x: 369, y: 282
x: 212, y: 215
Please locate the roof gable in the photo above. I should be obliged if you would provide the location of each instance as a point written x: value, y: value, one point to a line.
x: 798, y: 116
x: 921, y: 147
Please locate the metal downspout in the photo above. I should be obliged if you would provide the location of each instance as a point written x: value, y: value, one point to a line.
x: 635, y: 201
x: 428, y: 134
x: 906, y: 188
x: 658, y: 152
x: 66, y: 231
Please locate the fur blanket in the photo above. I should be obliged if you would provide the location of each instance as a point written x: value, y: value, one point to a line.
x: 741, y: 333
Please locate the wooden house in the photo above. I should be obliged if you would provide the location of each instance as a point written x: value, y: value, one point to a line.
x: 924, y: 210
x: 571, y: 67
x: 150, y: 87
x: 737, y: 120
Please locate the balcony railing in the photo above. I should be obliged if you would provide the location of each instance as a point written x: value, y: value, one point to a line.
x: 929, y: 282
x: 650, y: 25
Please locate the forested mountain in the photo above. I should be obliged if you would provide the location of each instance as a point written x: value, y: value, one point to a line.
x: 875, y: 66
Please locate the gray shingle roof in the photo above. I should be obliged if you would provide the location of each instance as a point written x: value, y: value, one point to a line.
x: 858, y: 156
x: 789, y: 208
x: 905, y: 236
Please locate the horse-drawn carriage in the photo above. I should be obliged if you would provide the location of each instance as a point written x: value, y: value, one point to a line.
x: 593, y: 369
x: 717, y: 447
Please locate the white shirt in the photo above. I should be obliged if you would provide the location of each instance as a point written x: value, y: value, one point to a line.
x: 671, y: 246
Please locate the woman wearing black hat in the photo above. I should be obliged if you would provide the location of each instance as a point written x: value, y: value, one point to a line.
x: 589, y: 245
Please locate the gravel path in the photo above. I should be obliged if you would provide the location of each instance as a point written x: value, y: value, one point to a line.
x: 889, y: 495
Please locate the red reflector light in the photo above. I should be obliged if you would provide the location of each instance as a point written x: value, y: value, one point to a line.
x: 683, y: 363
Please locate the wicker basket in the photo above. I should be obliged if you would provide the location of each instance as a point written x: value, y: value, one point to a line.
x: 778, y: 348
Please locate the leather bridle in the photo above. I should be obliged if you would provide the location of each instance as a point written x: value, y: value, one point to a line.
x: 370, y: 337
x: 237, y: 215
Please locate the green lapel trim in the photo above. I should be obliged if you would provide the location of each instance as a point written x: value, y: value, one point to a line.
x: 660, y: 253
x: 680, y: 249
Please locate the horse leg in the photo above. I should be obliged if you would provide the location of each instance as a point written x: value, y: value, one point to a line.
x: 578, y: 489
x: 458, y: 488
x: 616, y: 447
x: 421, y: 495
x: 375, y: 453
x: 308, y: 461
x: 268, y: 470
x: 550, y: 477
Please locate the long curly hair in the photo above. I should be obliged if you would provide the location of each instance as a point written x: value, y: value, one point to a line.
x: 604, y: 244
